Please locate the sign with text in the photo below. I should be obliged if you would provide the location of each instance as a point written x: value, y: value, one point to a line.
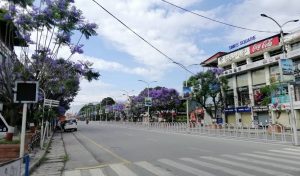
x: 26, y: 92
x: 286, y: 70
x: 229, y: 110
x: 242, y: 43
x: 260, y: 108
x: 229, y: 58
x: 148, y: 101
x: 243, y: 109
x: 260, y: 46
x: 187, y: 92
x: 3, y: 124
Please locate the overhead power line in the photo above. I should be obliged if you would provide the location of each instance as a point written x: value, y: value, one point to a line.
x: 214, y: 20
x: 142, y: 38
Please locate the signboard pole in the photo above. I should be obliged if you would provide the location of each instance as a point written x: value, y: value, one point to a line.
x: 22, y: 142
x: 292, y: 116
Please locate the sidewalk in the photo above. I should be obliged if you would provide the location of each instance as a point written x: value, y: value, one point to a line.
x: 53, y: 162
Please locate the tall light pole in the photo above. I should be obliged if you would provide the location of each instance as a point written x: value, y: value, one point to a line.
x: 129, y: 99
x: 187, y: 101
x: 42, y: 127
x: 148, y: 84
x: 290, y: 87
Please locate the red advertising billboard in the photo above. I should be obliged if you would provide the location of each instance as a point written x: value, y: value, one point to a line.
x: 264, y: 44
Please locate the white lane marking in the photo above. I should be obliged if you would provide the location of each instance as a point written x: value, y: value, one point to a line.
x: 72, y: 173
x: 247, y: 166
x: 185, y: 168
x: 216, y: 167
x: 96, y: 172
x: 250, y: 160
x: 153, y: 169
x: 278, y: 155
x: 122, y: 170
x: 271, y: 158
x: 292, y: 149
x: 285, y: 152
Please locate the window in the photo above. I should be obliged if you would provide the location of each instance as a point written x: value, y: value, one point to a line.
x: 229, y: 98
x: 258, y: 95
x: 242, y: 80
x: 257, y: 58
x: 243, y: 96
x: 295, y: 45
x: 275, y: 52
x: 230, y: 82
x: 227, y: 67
x: 258, y: 77
x: 241, y: 63
x: 274, y: 74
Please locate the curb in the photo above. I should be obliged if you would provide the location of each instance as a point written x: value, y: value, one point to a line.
x: 66, y: 154
x: 36, y: 164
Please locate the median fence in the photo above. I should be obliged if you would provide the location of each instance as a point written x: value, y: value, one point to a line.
x: 274, y: 133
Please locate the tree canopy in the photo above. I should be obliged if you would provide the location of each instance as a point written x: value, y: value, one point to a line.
x: 46, y: 28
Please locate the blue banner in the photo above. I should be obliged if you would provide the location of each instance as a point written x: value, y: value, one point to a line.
x: 243, y: 109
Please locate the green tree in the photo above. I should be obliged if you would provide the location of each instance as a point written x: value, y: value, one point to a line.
x: 208, y: 90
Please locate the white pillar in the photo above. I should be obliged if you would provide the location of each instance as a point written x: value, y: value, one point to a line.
x: 267, y: 69
x: 250, y: 87
x: 235, y: 95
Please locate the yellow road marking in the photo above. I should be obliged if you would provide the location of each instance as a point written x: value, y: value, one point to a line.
x: 107, y: 150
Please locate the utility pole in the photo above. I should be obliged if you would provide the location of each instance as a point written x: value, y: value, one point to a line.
x: 148, y: 85
x: 293, y: 120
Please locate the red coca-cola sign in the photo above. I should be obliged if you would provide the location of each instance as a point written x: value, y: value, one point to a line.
x: 264, y: 44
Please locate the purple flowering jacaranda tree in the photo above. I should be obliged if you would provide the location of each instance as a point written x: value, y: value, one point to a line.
x: 163, y: 99
x: 42, y: 32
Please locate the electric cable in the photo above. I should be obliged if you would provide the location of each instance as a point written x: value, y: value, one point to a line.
x: 142, y: 38
x: 214, y: 20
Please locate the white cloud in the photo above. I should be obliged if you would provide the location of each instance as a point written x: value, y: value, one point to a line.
x: 248, y: 13
x: 169, y: 30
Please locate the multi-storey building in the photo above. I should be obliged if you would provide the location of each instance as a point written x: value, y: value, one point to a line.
x: 8, y: 39
x: 252, y: 67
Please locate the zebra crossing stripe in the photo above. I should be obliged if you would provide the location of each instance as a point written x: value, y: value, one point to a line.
x: 271, y: 158
x: 285, y: 152
x: 96, y: 172
x: 185, y: 167
x: 153, y: 169
x: 215, y: 167
x: 247, y: 166
x: 72, y: 173
x: 120, y: 169
x: 292, y: 149
x: 286, y: 167
x: 278, y: 155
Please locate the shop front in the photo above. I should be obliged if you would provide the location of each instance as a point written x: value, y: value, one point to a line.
x: 230, y: 115
x: 245, y: 112
x: 261, y: 115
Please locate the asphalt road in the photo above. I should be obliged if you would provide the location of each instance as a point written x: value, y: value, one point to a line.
x: 102, y: 150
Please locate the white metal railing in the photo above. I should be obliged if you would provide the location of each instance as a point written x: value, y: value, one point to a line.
x: 269, y: 133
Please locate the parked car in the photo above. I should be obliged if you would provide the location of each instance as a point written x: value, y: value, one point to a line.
x: 70, y: 125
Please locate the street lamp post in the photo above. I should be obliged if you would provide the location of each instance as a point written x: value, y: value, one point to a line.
x: 129, y: 99
x: 42, y: 127
x: 148, y: 84
x: 187, y: 102
x: 290, y: 87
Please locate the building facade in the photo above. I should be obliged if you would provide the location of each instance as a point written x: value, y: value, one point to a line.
x: 251, y: 68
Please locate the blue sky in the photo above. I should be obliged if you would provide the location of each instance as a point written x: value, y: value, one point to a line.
x: 122, y: 58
